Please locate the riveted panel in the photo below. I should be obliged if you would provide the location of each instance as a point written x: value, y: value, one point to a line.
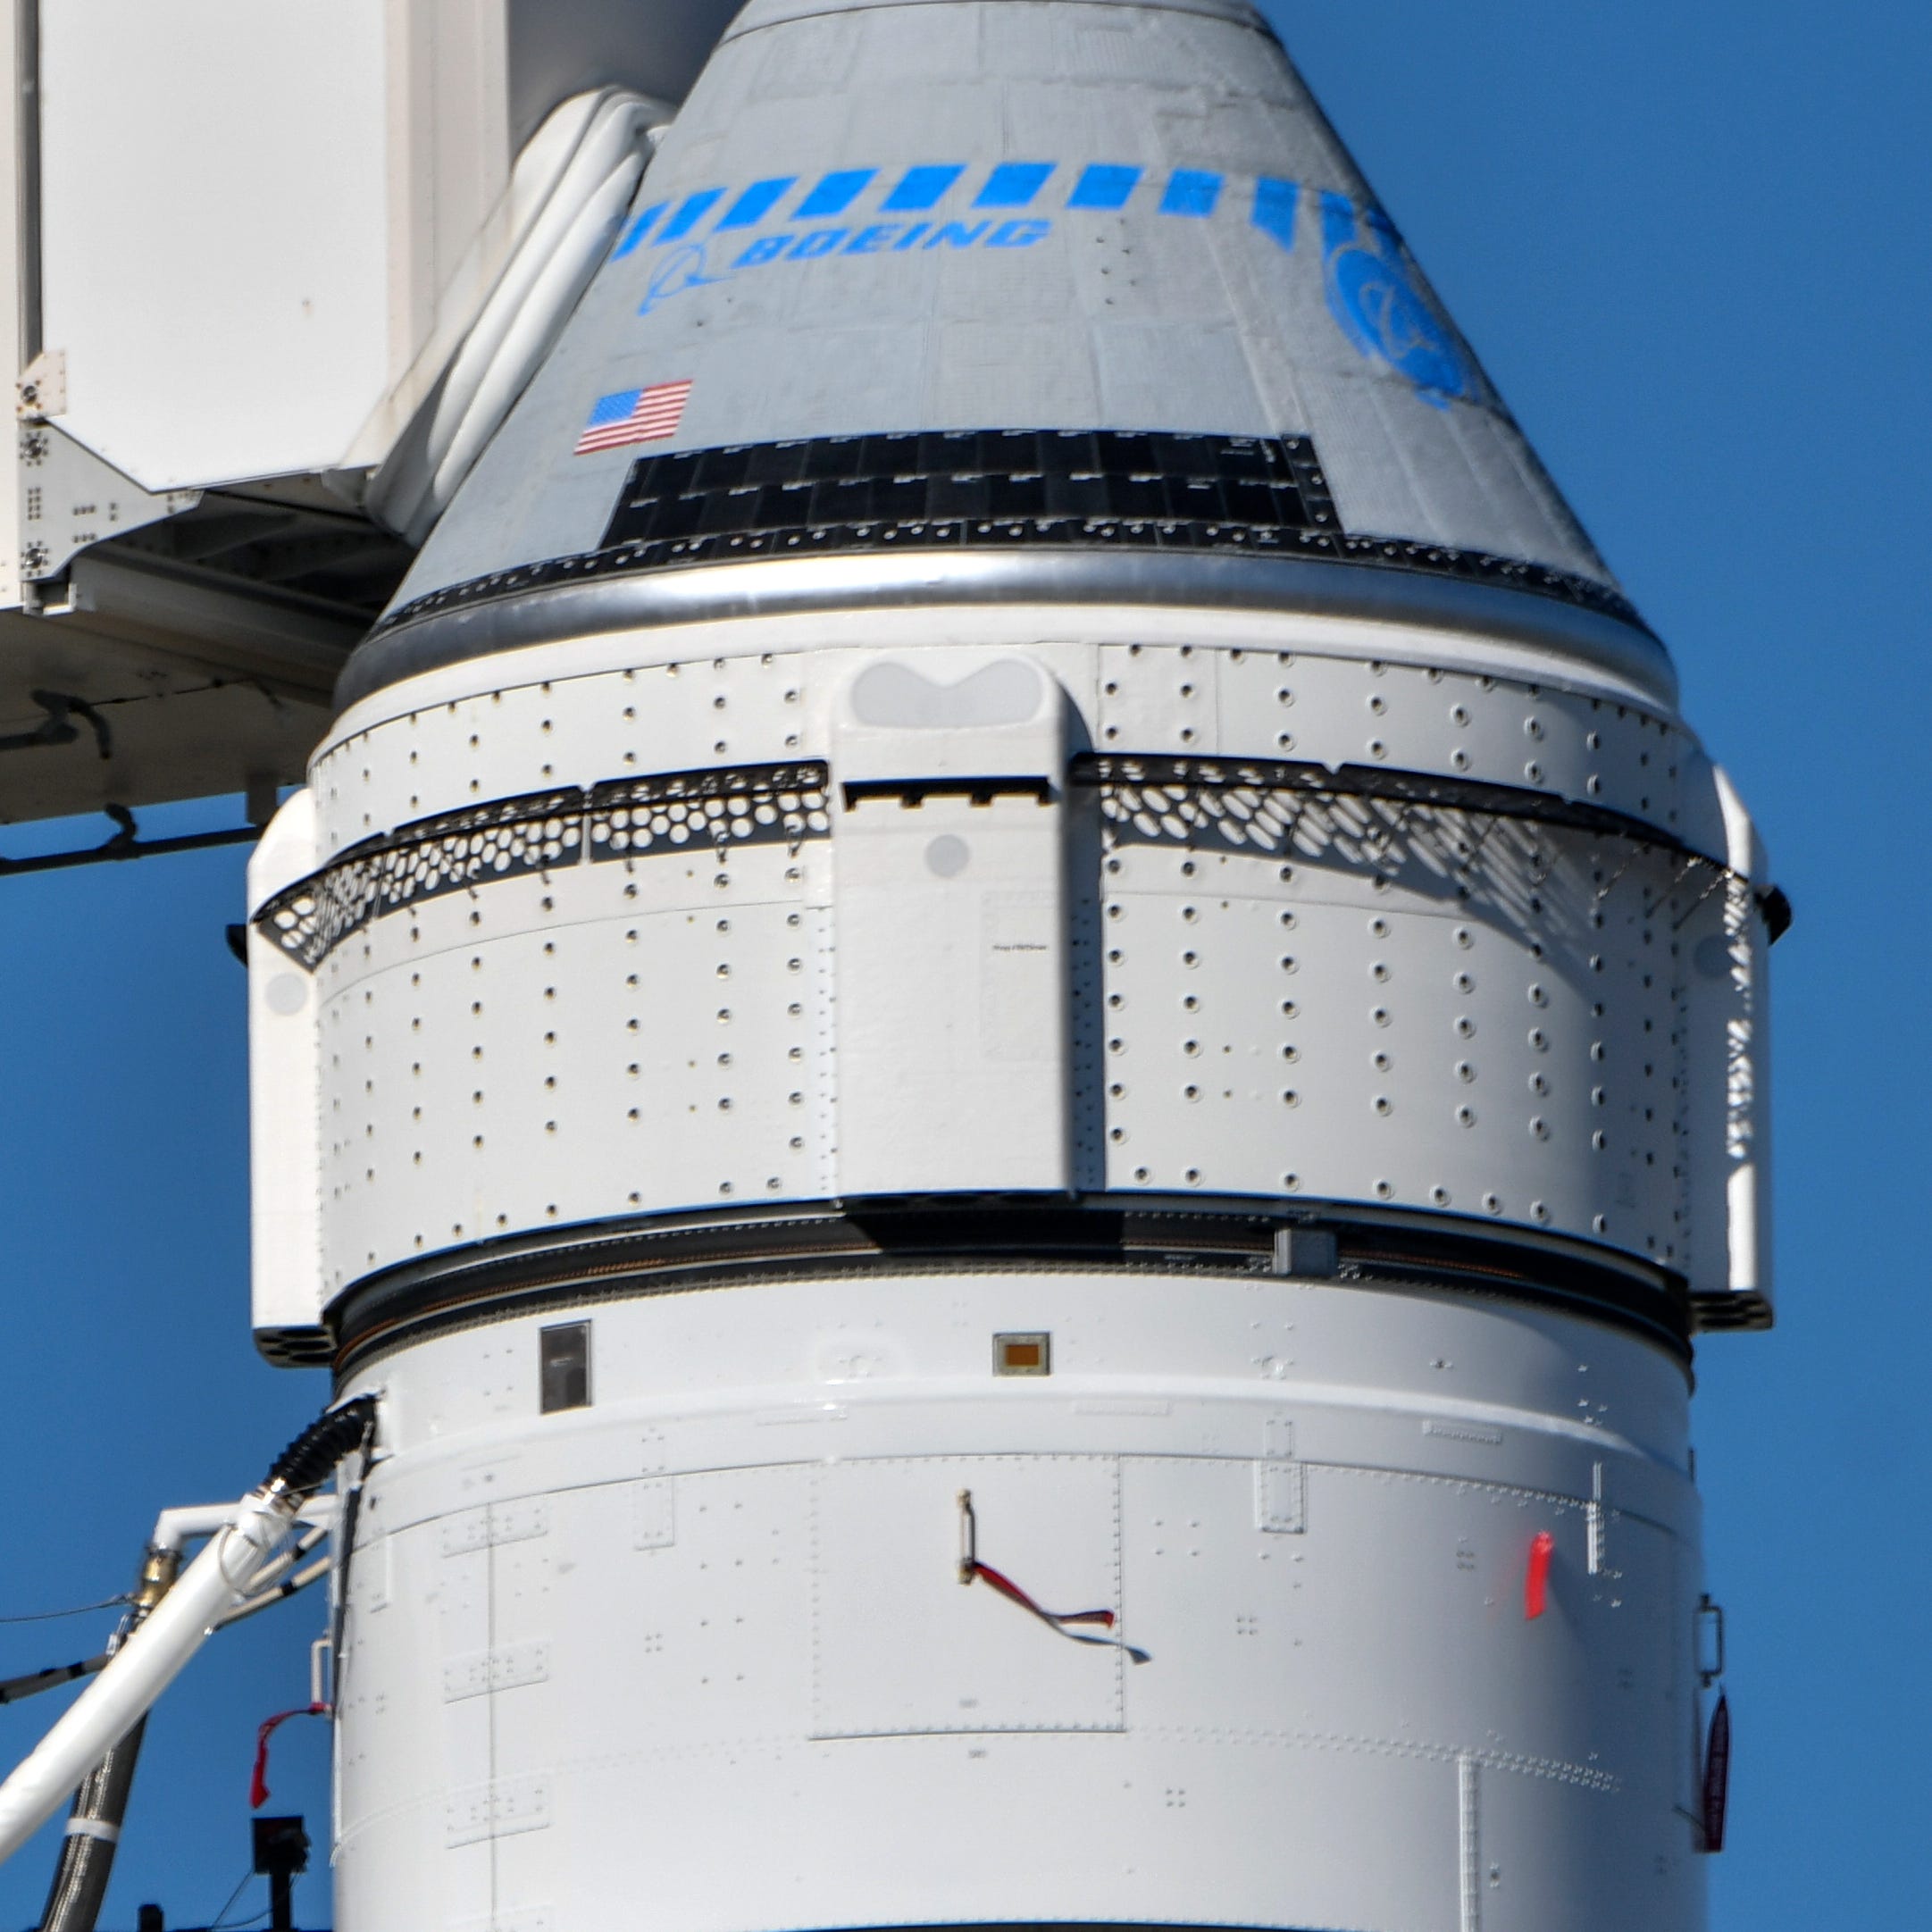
x: 500, y: 1808
x: 1396, y: 1006
x: 574, y: 731
x: 662, y: 1047
x: 654, y: 1513
x: 703, y: 1636
x: 502, y: 1669
x: 901, y: 1646
x: 663, y: 1033
x: 1352, y: 711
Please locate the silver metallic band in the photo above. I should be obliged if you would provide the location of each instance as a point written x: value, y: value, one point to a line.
x: 524, y: 614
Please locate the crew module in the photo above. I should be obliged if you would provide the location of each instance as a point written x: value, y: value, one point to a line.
x: 1004, y: 1040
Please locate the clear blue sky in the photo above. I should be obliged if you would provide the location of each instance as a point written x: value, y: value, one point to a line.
x: 1693, y: 244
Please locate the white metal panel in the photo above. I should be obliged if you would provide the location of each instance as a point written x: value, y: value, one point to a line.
x: 216, y: 170
x: 778, y: 679
x: 284, y: 1093
x: 660, y: 1049
x: 1386, y: 713
x: 949, y: 927
x: 949, y: 941
x: 12, y: 348
x: 572, y: 729
x: 900, y: 1644
x: 1359, y: 1032
x: 1377, y: 1665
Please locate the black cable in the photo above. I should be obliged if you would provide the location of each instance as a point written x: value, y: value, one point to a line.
x: 351, y: 1515
x: 12, y: 1689
x: 239, y: 1884
x: 79, y: 1610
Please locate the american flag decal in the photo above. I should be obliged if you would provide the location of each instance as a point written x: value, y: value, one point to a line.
x: 633, y: 417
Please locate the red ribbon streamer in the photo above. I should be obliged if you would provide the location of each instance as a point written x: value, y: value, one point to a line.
x: 1054, y: 1620
x: 1536, y: 1580
x: 258, y: 1784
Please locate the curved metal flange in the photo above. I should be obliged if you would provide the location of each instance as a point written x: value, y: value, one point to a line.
x: 522, y: 612
x: 495, y: 1280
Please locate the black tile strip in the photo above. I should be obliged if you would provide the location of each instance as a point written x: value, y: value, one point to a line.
x: 991, y: 489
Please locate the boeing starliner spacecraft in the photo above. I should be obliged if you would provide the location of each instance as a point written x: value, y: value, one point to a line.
x: 1005, y: 1045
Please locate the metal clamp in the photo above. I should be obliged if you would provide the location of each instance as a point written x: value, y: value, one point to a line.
x: 1710, y: 1641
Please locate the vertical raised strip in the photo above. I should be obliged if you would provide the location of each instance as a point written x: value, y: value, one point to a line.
x: 1596, y: 1518
x: 1469, y: 1841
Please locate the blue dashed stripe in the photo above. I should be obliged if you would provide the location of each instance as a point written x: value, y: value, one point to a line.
x: 1191, y: 191
x: 640, y: 224
x: 835, y: 194
x: 1013, y: 184
x: 1104, y: 185
x: 696, y: 207
x: 921, y: 188
x: 757, y: 202
x: 1274, y: 205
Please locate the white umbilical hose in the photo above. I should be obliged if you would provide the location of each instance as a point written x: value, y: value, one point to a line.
x: 144, y: 1667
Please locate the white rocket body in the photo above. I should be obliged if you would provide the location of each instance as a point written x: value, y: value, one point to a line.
x: 1230, y: 1035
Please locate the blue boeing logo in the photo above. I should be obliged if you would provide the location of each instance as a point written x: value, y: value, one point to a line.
x: 1376, y: 299
x: 683, y: 269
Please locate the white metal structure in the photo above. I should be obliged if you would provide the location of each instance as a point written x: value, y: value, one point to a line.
x: 204, y: 401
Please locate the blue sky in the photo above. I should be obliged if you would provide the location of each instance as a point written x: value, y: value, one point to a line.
x: 1690, y: 243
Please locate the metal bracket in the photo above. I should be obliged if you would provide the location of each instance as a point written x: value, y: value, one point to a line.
x: 1710, y: 1641
x: 70, y: 499
x: 42, y: 389
x: 127, y: 843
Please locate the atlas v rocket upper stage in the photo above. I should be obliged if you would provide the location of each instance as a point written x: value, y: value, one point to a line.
x: 1008, y: 848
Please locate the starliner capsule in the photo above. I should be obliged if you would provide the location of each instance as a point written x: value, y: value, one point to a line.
x: 1012, y: 1026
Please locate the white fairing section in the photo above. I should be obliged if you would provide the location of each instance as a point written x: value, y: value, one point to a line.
x: 284, y: 1094
x: 704, y: 1645
x: 1354, y: 999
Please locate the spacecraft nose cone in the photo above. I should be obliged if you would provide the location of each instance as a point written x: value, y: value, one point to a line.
x: 976, y: 272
